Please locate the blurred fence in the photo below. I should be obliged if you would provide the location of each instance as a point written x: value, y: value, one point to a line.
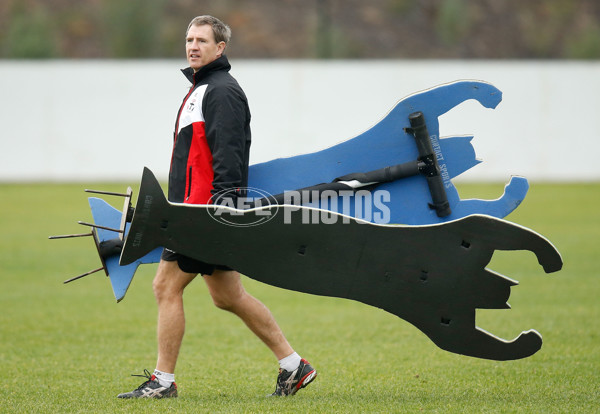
x: 94, y: 120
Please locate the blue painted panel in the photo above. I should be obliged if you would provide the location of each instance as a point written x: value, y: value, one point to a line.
x: 120, y: 276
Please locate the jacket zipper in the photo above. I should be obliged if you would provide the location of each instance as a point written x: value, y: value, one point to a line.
x: 175, y: 133
x: 189, y: 184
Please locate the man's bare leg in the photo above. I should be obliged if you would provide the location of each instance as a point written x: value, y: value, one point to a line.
x: 168, y: 286
x: 229, y: 294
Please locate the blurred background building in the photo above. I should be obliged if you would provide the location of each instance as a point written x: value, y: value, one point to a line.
x: 340, y: 29
x: 89, y: 88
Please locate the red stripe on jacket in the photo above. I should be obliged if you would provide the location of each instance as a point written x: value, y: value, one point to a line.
x: 199, y: 171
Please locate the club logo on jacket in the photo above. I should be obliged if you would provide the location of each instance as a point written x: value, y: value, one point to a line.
x: 191, y: 111
x: 191, y: 105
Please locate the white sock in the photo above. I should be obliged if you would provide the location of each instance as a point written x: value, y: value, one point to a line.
x: 165, y: 379
x: 290, y: 362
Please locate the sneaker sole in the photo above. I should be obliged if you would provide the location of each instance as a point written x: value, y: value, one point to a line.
x: 129, y: 396
x: 307, y: 379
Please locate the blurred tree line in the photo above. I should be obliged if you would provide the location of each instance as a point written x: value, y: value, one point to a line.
x: 356, y: 29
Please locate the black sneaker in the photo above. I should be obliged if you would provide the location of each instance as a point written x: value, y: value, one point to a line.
x: 288, y: 383
x: 150, y: 389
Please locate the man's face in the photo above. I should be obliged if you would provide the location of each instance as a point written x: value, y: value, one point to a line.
x: 201, y: 47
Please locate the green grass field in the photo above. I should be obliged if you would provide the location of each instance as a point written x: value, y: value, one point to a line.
x: 71, y: 348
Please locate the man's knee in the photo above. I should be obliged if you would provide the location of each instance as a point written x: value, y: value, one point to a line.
x: 227, y: 300
x: 226, y: 290
x: 160, y: 287
x: 170, y: 281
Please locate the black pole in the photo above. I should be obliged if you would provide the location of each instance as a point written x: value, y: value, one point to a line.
x: 430, y: 169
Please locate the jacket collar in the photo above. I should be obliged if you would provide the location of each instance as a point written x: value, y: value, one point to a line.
x: 216, y: 65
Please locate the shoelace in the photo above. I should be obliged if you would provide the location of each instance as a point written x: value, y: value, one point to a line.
x: 282, y: 379
x: 146, y: 375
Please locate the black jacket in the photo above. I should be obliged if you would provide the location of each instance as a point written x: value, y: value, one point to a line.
x: 212, y: 137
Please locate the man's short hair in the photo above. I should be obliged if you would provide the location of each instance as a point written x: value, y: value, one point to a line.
x: 221, y: 31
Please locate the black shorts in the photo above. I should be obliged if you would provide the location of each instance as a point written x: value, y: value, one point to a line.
x: 189, y: 265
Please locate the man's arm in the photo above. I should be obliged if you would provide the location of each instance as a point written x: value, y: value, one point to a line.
x: 227, y: 132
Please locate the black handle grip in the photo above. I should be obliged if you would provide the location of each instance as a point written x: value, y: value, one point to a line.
x: 429, y: 167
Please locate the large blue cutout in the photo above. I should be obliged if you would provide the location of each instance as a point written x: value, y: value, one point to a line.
x: 387, y: 144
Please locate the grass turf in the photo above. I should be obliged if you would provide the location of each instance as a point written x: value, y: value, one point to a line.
x: 71, y: 348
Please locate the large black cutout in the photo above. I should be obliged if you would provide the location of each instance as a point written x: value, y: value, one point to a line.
x: 432, y: 276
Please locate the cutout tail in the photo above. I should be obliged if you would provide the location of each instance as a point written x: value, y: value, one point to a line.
x: 145, y: 233
x: 120, y: 276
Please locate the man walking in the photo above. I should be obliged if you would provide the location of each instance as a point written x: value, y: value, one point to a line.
x: 210, y: 157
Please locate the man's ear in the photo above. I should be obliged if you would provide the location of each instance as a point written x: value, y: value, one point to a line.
x: 221, y: 48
